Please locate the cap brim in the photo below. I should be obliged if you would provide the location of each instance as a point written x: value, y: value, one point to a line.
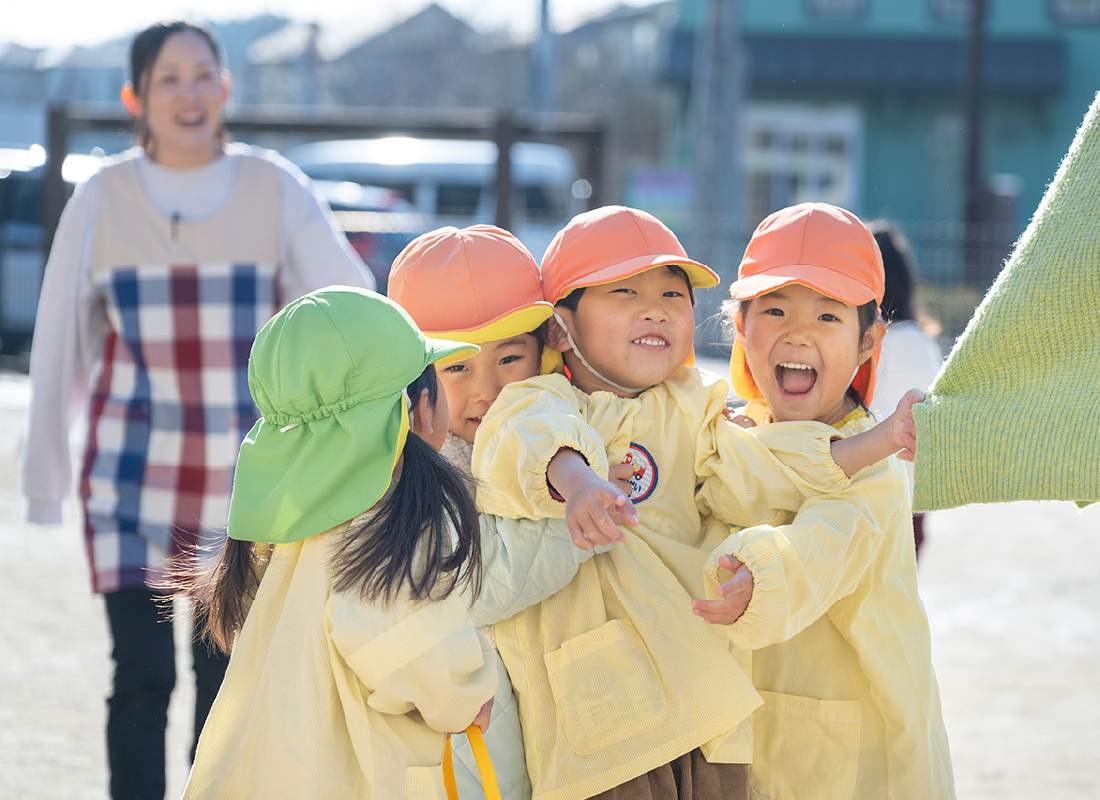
x: 440, y: 349
x: 830, y: 283
x: 700, y: 275
x: 522, y: 320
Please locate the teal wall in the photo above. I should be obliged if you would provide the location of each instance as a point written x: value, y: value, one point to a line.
x: 913, y: 139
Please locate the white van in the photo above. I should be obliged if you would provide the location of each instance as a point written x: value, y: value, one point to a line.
x: 451, y: 182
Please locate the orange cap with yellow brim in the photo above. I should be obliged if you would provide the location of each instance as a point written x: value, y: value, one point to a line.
x: 820, y: 246
x: 611, y: 243
x: 476, y: 284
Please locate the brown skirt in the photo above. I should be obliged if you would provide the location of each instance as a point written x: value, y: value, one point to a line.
x: 690, y: 777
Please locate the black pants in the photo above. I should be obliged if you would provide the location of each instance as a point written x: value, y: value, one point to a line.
x: 145, y: 673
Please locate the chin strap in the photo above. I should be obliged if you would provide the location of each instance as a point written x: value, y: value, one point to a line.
x: 590, y: 368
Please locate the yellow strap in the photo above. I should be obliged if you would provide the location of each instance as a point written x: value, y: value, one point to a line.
x: 449, y: 773
x: 484, y: 766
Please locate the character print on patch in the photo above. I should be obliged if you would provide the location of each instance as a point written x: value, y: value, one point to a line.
x: 644, y: 478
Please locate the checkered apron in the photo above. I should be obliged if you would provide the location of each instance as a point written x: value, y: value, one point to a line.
x: 169, y: 401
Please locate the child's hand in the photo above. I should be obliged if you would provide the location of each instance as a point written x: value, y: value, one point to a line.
x: 737, y: 418
x: 735, y: 593
x: 895, y: 435
x: 482, y: 718
x: 900, y: 426
x: 620, y: 475
x: 594, y: 508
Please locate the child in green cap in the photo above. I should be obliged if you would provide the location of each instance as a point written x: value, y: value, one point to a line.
x: 351, y: 549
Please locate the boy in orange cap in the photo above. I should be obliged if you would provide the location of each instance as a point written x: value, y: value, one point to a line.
x: 837, y: 588
x: 601, y: 668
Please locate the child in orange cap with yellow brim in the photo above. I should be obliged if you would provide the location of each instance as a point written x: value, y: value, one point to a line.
x: 478, y: 284
x: 840, y: 639
x: 623, y: 691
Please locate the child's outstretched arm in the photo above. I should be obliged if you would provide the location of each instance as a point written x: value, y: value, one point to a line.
x: 593, y: 507
x: 524, y: 562
x: 528, y: 425
x: 895, y: 434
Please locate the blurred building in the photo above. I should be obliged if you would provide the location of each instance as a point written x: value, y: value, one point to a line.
x: 859, y: 103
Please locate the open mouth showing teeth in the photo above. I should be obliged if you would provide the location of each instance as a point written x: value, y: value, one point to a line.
x: 651, y: 342
x: 795, y: 378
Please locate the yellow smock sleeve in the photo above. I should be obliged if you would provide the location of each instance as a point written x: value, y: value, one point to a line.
x: 526, y: 426
x: 802, y: 569
x: 763, y: 475
x: 416, y: 656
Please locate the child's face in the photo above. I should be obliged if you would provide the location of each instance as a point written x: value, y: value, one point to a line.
x: 635, y: 332
x: 472, y: 385
x: 803, y: 349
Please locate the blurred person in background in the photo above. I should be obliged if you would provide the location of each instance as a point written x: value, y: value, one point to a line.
x: 911, y: 356
x: 165, y: 265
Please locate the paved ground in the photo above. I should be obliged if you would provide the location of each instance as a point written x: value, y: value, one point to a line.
x: 1011, y: 593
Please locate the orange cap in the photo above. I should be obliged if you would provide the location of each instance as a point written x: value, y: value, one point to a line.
x: 815, y: 244
x: 611, y: 243
x: 820, y: 246
x: 478, y: 284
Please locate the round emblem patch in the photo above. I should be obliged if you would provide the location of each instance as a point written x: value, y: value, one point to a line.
x: 644, y: 478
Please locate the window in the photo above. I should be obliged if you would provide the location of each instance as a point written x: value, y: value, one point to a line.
x: 457, y: 199
x: 544, y: 203
x: 836, y: 9
x: 799, y: 153
x: 1081, y: 11
x: 950, y: 10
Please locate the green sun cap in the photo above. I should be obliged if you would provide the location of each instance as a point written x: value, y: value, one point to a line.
x: 327, y: 373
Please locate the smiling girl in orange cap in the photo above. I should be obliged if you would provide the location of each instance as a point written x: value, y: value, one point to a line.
x: 842, y: 651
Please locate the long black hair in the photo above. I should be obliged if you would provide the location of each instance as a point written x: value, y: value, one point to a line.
x: 423, y: 536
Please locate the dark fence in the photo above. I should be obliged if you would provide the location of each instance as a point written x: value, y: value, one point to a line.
x: 25, y: 247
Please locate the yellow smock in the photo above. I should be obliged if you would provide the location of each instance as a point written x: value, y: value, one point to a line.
x: 614, y: 674
x: 842, y: 648
x: 330, y: 696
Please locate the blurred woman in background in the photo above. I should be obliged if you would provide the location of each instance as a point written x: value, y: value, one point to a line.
x: 165, y: 265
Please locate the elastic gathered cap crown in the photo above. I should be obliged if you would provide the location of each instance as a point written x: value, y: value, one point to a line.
x: 327, y: 373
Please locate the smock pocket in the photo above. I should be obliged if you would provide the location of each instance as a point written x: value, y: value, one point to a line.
x: 804, y: 748
x: 605, y: 686
x: 425, y: 783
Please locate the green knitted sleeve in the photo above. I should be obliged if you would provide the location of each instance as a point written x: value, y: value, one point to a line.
x: 1015, y: 412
